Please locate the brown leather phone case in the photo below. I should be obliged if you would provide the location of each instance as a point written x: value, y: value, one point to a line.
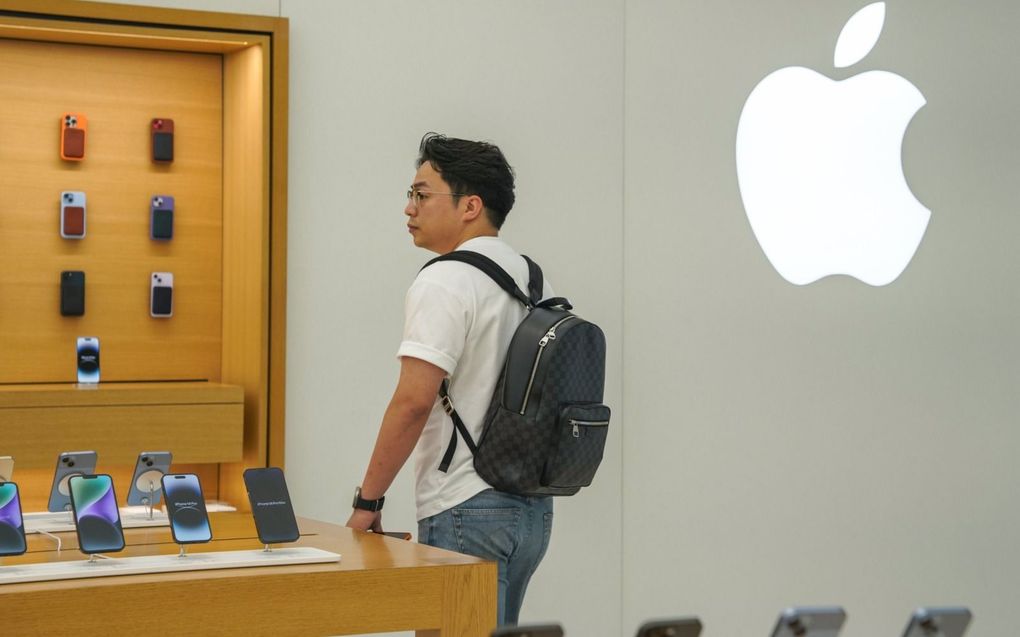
x: 74, y: 220
x: 72, y: 136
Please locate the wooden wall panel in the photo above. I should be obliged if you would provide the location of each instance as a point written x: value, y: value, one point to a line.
x: 240, y: 340
x: 245, y: 255
x: 120, y: 91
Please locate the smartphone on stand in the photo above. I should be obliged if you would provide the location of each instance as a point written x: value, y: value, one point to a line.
x: 812, y: 621
x: 72, y: 214
x: 185, y: 506
x: 938, y: 622
x: 72, y: 293
x: 150, y: 467
x: 683, y: 627
x: 271, y: 506
x: 73, y: 127
x: 161, y: 218
x: 12, y: 526
x: 96, y: 516
x: 161, y: 295
x: 69, y: 464
x: 88, y: 359
x: 544, y: 630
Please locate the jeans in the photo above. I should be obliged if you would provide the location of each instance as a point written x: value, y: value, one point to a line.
x: 511, y: 530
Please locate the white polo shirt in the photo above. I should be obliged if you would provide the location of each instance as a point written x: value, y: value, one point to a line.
x: 458, y: 319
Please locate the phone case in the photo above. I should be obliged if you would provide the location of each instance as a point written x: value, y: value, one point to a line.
x: 270, y: 505
x: 72, y: 293
x: 88, y: 359
x: 12, y: 527
x: 162, y: 140
x: 72, y: 214
x: 161, y: 217
x: 96, y: 516
x: 161, y: 295
x: 73, y: 129
x: 150, y: 467
x: 69, y: 463
x: 185, y: 506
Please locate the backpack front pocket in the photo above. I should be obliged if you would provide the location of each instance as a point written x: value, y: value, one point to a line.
x: 581, y: 435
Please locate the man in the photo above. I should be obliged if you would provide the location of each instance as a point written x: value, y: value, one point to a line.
x: 458, y: 324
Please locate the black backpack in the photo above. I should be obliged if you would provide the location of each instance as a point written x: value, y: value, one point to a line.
x: 545, y: 428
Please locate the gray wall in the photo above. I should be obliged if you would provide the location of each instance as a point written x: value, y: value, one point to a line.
x: 833, y: 443
x: 773, y: 444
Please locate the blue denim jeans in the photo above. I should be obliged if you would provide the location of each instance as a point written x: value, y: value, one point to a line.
x: 511, y: 530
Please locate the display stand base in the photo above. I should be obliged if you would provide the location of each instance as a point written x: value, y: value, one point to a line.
x: 146, y: 564
x: 130, y: 518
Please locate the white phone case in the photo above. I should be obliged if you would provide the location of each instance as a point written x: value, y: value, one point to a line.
x: 69, y: 199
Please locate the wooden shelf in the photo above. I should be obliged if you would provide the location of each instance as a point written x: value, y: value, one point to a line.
x: 224, y: 77
x: 199, y: 422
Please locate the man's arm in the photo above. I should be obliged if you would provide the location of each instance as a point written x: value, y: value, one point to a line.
x: 401, y: 427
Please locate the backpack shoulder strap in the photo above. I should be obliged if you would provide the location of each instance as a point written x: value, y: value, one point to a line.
x: 536, y: 283
x: 505, y: 281
x: 492, y: 269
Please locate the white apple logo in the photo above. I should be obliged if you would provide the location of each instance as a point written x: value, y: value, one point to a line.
x: 819, y: 166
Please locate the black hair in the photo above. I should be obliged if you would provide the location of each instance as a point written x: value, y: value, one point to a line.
x: 472, y: 168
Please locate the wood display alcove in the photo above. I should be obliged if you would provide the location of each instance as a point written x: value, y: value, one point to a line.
x: 208, y: 383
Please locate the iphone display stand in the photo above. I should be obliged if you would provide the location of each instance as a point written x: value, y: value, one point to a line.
x: 268, y: 549
x: 184, y: 551
x: 149, y: 481
x: 60, y: 543
x: 99, y: 565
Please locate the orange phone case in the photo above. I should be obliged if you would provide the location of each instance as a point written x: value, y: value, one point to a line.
x: 73, y: 127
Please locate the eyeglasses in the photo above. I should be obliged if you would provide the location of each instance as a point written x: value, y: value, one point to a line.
x: 417, y: 196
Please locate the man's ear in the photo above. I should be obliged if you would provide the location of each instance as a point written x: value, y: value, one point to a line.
x: 473, y: 207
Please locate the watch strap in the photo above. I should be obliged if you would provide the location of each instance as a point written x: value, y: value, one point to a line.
x: 367, y: 505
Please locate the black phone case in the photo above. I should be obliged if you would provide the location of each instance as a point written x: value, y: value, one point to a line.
x: 72, y: 293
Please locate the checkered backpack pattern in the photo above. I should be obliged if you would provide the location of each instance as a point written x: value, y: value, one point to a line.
x: 545, y: 428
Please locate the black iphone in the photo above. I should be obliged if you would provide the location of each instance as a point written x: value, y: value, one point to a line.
x: 185, y: 506
x: 271, y: 506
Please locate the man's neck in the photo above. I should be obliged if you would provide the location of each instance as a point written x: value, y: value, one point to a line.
x: 474, y: 233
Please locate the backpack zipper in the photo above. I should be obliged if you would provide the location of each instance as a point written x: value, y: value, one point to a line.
x: 542, y: 342
x: 577, y: 424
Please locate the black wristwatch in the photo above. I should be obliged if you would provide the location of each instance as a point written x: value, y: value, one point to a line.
x: 366, y: 505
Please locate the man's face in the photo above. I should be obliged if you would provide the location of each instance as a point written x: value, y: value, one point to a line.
x: 436, y: 221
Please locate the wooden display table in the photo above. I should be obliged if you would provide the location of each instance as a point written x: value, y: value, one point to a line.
x: 380, y: 585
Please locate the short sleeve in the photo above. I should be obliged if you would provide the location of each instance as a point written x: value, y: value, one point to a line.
x: 436, y: 321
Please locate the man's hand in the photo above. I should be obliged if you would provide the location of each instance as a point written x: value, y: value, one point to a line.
x: 366, y: 520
